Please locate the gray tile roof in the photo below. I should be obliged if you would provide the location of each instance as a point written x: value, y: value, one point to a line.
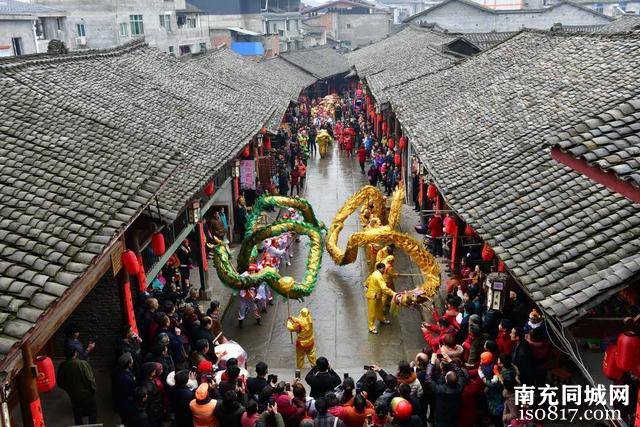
x: 581, y: 28
x: 206, y: 108
x: 487, y: 40
x: 70, y: 181
x: 320, y: 62
x: 610, y: 141
x: 623, y: 24
x: 86, y: 140
x: 411, y: 53
x: 480, y: 126
x: 15, y: 7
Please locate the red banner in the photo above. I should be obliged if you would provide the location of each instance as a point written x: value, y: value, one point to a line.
x: 36, y: 413
x: 128, y: 306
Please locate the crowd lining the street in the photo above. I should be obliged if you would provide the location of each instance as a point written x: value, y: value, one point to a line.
x: 168, y: 372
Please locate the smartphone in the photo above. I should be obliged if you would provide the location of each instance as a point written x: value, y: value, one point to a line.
x: 239, y: 382
x: 194, y: 369
x: 287, y: 386
x: 369, y: 419
x: 346, y: 375
x: 298, y: 373
x: 439, y: 356
x: 367, y: 367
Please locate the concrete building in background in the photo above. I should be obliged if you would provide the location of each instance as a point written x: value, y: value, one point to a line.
x: 279, y: 18
x: 27, y: 28
x: 173, y: 26
x: 402, y: 9
x: 351, y: 24
x: 465, y: 16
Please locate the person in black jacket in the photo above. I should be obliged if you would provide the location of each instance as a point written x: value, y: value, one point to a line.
x: 448, y: 395
x: 124, y: 385
x: 256, y: 384
x: 522, y: 356
x: 229, y: 411
x: 137, y: 416
x: 180, y: 395
x: 321, y: 378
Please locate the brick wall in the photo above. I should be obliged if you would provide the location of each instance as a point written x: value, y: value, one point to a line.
x: 99, y: 316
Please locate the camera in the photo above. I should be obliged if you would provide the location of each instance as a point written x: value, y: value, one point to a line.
x: 298, y: 373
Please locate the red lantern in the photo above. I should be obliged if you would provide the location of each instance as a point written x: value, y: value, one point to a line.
x: 431, y: 191
x: 392, y: 143
x: 246, y: 152
x: 609, y: 367
x: 209, y: 189
x: 130, y: 262
x: 157, y: 243
x: 46, y: 374
x: 500, y: 266
x: 487, y: 253
x: 379, y: 118
x: 267, y: 143
x: 384, y: 127
x: 402, y: 142
x: 627, y: 348
x: 397, y: 159
x: 450, y: 226
x: 468, y: 231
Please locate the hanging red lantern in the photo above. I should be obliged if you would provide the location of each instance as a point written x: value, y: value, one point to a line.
x: 397, y: 159
x: 392, y: 143
x: 130, y: 262
x: 267, y: 143
x: 46, y: 374
x: 450, y: 226
x: 157, y: 243
x: 209, y: 189
x: 487, y: 253
x: 384, y: 127
x: 431, y: 191
x: 609, y: 367
x: 627, y: 348
x: 500, y: 266
x: 402, y: 143
x: 246, y: 151
x: 379, y: 118
x: 468, y: 231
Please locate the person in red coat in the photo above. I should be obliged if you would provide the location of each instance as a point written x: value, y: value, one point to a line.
x: 503, y: 340
x: 362, y: 157
x: 435, y: 229
x: 472, y: 397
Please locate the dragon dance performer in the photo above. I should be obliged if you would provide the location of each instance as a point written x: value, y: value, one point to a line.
x: 247, y: 301
x: 323, y: 139
x: 389, y: 274
x: 376, y: 290
x: 305, y: 344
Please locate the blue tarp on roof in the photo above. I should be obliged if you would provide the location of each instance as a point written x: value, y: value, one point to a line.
x: 248, y: 48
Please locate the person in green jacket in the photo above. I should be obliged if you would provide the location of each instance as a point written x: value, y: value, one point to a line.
x: 75, y: 376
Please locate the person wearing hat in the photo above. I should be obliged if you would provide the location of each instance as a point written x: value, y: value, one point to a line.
x: 203, y: 408
x: 305, y: 343
x: 535, y: 321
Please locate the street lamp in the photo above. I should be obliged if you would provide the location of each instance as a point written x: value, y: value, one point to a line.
x: 236, y: 169
x: 194, y: 212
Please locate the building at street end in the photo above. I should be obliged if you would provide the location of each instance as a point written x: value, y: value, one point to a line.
x: 351, y: 24
x: 27, y: 28
x: 174, y: 26
x: 466, y: 16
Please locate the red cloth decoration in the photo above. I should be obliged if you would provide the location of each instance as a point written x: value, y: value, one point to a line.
x: 627, y: 348
x: 130, y: 262
x: 142, y: 276
x: 157, y: 243
x: 267, y: 143
x: 46, y: 374
x: 210, y: 188
x: 609, y: 367
x: 454, y: 243
x: 487, y: 253
x: 392, y: 143
x: 431, y: 191
x: 203, y: 248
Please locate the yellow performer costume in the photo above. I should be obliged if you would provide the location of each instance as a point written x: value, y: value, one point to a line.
x: 376, y: 290
x: 388, y: 275
x: 305, y: 344
x: 323, y: 138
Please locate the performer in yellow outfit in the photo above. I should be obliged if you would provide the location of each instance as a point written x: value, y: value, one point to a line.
x: 323, y: 138
x: 384, y: 253
x: 376, y: 289
x: 305, y: 344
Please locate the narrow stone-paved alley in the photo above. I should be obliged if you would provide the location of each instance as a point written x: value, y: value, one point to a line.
x: 337, y: 304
